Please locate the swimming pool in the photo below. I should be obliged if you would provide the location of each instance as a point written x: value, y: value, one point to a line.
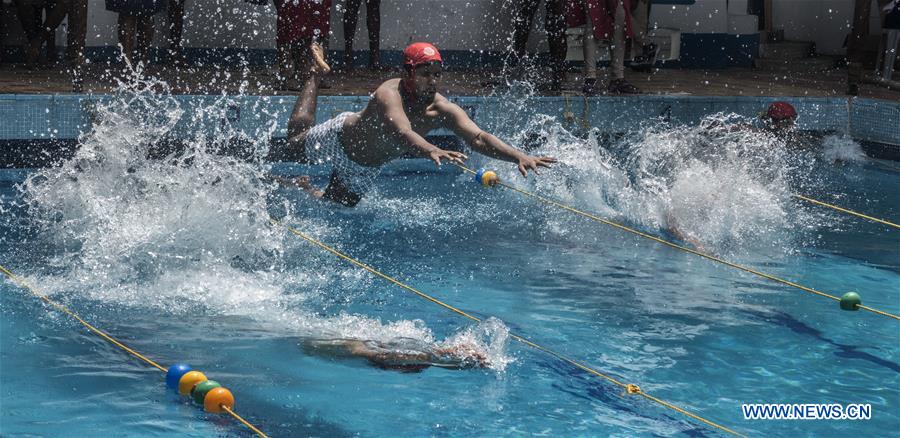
x: 176, y: 257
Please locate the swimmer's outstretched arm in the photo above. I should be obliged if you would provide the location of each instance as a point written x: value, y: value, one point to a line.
x: 403, y: 359
x: 390, y: 109
x: 456, y: 119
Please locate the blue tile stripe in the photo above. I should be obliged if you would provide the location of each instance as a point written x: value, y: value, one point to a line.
x: 42, y: 117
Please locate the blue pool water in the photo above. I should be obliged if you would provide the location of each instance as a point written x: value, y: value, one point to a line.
x: 177, y: 259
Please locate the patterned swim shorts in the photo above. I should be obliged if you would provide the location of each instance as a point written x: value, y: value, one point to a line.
x: 323, y: 147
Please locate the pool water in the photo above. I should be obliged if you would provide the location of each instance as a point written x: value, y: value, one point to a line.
x: 177, y: 258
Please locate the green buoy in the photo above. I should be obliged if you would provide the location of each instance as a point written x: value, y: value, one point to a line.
x: 199, y: 392
x: 850, y: 301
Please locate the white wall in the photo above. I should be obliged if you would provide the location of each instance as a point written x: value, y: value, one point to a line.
x: 825, y: 22
x: 704, y: 16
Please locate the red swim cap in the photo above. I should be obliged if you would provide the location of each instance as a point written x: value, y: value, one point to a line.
x: 781, y: 111
x: 420, y: 53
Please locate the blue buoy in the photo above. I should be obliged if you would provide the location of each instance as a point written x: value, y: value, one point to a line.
x: 174, y: 374
x: 479, y: 174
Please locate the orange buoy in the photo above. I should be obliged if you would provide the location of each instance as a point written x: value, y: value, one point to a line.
x: 216, y: 398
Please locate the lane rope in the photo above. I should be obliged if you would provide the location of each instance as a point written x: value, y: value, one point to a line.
x: 629, y: 388
x: 24, y: 285
x: 680, y: 247
x: 845, y: 210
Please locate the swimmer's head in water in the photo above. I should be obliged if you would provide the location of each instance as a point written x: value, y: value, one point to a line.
x: 780, y: 115
x: 423, y: 66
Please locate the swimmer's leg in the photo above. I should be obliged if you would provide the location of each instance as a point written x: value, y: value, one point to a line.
x: 300, y: 182
x: 303, y: 116
x: 302, y: 119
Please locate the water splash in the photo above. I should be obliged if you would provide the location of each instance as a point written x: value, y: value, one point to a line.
x: 842, y: 148
x: 486, y: 341
x: 723, y: 184
x: 138, y: 221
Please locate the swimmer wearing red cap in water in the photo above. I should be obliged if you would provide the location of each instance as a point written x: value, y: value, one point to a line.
x: 398, y: 116
x: 780, y: 116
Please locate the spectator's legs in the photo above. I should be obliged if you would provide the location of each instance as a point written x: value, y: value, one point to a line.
x: 589, y: 49
x: 524, y: 16
x: 892, y: 45
x: 556, y: 37
x: 144, y: 28
x: 640, y: 18
x: 52, y: 55
x: 350, y: 19
x: 30, y: 18
x: 284, y: 60
x: 283, y: 48
x: 373, y: 23
x: 176, y: 30
x: 77, y: 32
x: 856, y: 44
x: 617, y: 48
x: 618, y: 84
x: 126, y: 35
x: 47, y: 31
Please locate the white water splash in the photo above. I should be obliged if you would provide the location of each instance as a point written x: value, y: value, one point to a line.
x: 841, y: 148
x: 188, y: 233
x: 723, y: 184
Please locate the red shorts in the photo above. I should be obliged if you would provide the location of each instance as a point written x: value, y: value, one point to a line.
x: 602, y: 14
x: 302, y: 20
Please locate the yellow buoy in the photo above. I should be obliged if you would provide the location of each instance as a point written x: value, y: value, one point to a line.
x: 188, y: 380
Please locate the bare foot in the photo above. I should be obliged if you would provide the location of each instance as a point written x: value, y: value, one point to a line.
x: 319, y: 66
x: 301, y: 182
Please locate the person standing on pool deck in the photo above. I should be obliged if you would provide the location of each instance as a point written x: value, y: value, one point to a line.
x: 399, y: 114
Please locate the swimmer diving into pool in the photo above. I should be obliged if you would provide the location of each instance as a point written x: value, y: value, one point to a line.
x: 399, y: 114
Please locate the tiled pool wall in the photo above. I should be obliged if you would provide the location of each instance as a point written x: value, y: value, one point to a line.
x: 35, y: 124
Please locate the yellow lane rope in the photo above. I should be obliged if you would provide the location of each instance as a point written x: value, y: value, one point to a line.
x: 631, y: 389
x: 844, y: 210
x: 22, y: 283
x: 883, y: 165
x: 680, y: 247
x: 244, y: 422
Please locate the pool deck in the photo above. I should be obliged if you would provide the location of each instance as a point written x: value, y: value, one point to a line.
x: 259, y: 80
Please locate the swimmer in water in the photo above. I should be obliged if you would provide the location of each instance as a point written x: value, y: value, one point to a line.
x: 404, y: 354
x: 399, y: 114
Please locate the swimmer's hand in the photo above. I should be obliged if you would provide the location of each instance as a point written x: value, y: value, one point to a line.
x: 528, y: 162
x: 454, y: 157
x: 459, y: 356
